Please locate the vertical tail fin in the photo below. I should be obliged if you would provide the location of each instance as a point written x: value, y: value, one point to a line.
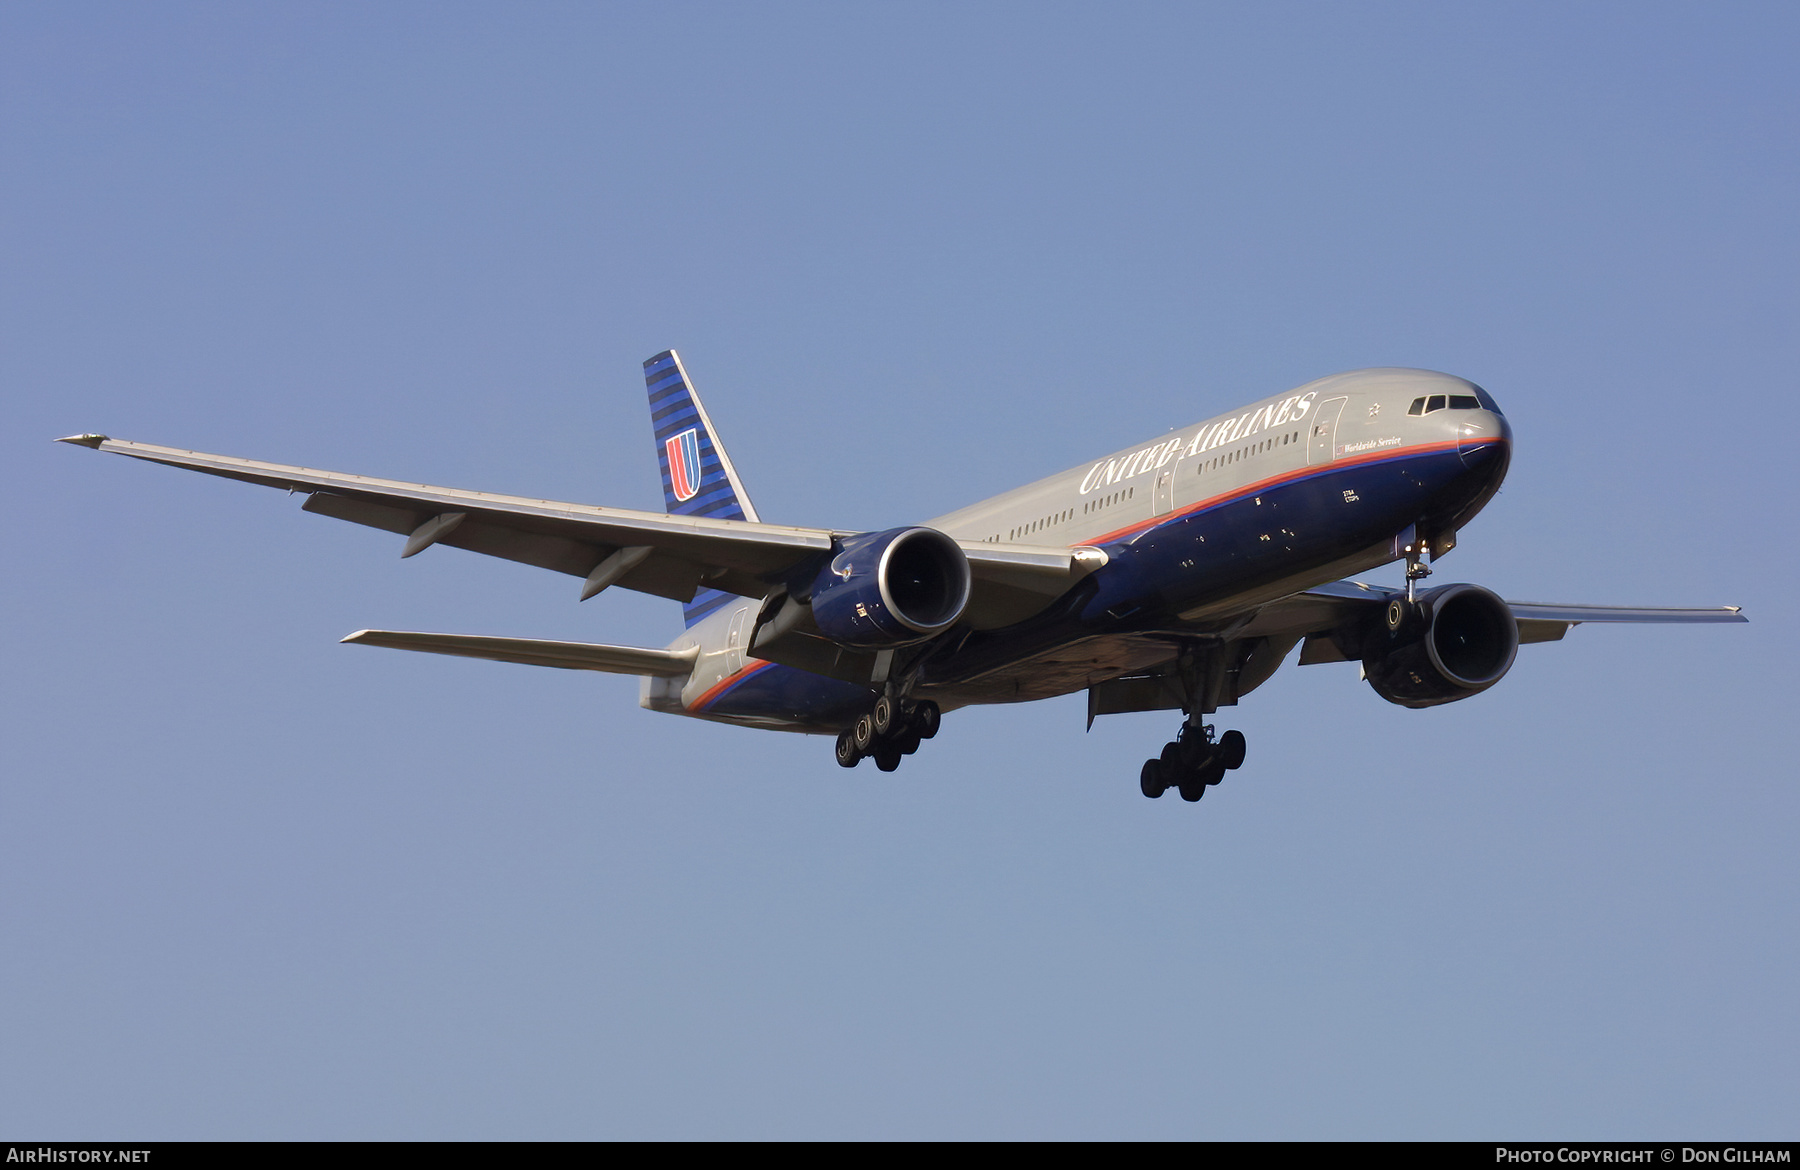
x: 697, y: 476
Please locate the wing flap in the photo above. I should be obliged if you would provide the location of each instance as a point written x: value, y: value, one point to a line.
x: 534, y: 652
x: 368, y: 513
x: 1534, y: 630
x: 491, y: 536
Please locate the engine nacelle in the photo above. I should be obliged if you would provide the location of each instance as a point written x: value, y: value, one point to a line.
x: 891, y: 588
x: 1459, y: 642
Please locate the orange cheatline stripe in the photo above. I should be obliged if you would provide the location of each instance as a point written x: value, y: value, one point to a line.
x: 713, y: 692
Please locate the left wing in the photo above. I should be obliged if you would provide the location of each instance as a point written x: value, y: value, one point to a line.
x: 651, y: 552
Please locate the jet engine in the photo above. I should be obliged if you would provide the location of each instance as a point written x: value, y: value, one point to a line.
x: 891, y: 588
x: 1455, y: 642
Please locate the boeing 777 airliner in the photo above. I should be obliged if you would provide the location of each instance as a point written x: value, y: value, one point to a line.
x: 1176, y: 574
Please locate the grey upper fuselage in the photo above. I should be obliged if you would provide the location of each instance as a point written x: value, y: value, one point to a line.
x: 1087, y: 503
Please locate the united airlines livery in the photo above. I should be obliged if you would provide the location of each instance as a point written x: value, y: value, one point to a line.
x: 1174, y: 575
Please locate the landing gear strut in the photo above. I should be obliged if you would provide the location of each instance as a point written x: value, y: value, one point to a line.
x: 1192, y: 762
x: 1195, y: 759
x: 1400, y: 613
x: 892, y: 729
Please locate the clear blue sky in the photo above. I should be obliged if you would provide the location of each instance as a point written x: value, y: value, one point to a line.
x: 257, y: 884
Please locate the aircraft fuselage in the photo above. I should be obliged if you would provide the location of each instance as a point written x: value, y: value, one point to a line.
x: 1199, y: 527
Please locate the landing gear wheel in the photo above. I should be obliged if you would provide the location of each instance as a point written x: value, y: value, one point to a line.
x: 907, y: 743
x: 887, y: 759
x: 1231, y: 749
x: 1209, y: 773
x: 1193, y: 790
x: 863, y: 734
x: 883, y: 716
x: 1150, y: 781
x: 1397, y: 613
x: 1195, y: 747
x: 847, y: 755
x: 926, y: 718
x: 1172, y: 763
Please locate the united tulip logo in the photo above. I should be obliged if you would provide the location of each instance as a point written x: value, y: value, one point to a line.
x: 684, y: 464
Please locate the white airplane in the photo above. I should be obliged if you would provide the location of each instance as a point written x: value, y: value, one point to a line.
x: 1176, y: 574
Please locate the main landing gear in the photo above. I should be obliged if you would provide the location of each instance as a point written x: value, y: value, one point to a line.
x: 1192, y: 762
x: 891, y: 730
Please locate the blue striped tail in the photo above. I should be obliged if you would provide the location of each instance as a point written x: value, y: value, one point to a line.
x: 697, y: 476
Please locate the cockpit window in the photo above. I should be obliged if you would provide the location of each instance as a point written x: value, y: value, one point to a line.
x: 1486, y: 400
x: 1453, y: 401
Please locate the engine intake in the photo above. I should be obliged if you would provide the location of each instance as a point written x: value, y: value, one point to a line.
x: 891, y: 588
x: 1460, y: 641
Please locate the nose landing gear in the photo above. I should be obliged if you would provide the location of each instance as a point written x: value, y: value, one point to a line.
x: 891, y: 730
x: 1401, y: 613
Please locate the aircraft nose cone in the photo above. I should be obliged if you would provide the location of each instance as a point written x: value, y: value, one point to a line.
x: 1482, y: 439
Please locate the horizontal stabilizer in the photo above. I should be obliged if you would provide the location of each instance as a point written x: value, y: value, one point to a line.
x: 533, y: 652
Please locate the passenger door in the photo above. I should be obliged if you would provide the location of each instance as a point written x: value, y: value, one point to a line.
x: 1324, y: 430
x: 1162, y: 496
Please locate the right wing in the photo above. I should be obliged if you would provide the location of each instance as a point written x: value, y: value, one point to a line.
x: 651, y: 552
